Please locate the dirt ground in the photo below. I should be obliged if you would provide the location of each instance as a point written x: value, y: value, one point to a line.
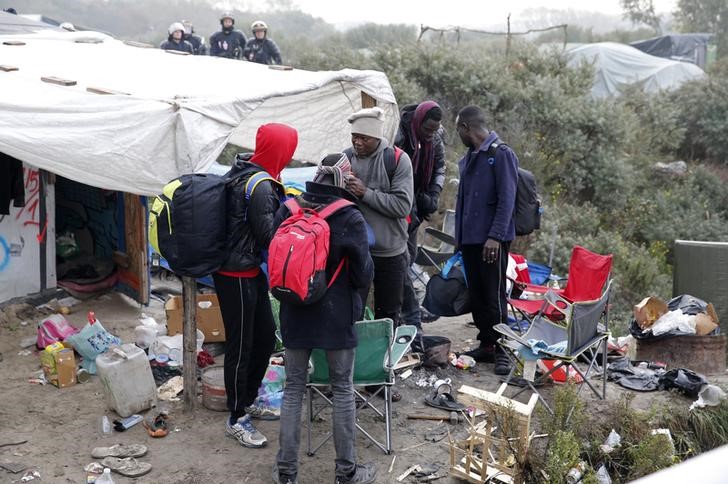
x: 61, y: 426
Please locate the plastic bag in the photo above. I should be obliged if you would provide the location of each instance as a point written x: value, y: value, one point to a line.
x: 270, y: 393
x: 684, y: 380
x: 53, y: 329
x: 92, y: 341
x: 709, y: 396
x: 674, y: 322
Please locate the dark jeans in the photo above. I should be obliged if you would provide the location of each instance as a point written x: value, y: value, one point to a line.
x: 249, y: 337
x: 410, y: 304
x: 341, y: 368
x: 389, y: 274
x: 487, y: 286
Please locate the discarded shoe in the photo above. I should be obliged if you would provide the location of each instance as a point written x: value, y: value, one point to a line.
x: 442, y: 398
x: 245, y: 433
x: 119, y: 450
x: 128, y: 467
x: 157, y: 426
x: 363, y: 474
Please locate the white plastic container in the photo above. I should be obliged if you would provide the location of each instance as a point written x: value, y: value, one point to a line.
x: 127, y: 379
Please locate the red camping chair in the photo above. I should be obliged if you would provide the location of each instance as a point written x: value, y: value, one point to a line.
x: 588, y: 273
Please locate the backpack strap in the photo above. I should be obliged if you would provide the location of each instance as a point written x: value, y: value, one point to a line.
x: 292, y: 206
x: 331, y: 208
x: 494, y: 147
x: 255, y: 180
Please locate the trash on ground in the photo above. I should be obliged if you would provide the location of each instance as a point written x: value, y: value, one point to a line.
x: 681, y: 316
x: 709, y: 396
x: 127, y: 379
x: 684, y: 380
x: 406, y: 374
x: 120, y: 425
x: 157, y: 425
x: 171, y: 389
x: 576, y: 473
x: 128, y: 467
x: 409, y: 471
x: 28, y: 341
x: 426, y: 381
x: 118, y: 450
x: 613, y: 441
x: 603, y: 475
x: 463, y: 362
x: 25, y: 353
x: 437, y: 433
x: 638, y: 376
x: 38, y: 378
x: 59, y: 365
x: 92, y: 341
x: 30, y: 476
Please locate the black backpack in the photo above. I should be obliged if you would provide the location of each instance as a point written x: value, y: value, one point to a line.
x: 527, y: 210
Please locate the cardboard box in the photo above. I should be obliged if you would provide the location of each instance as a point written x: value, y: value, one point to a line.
x: 59, y: 365
x: 209, y: 318
x: 648, y: 311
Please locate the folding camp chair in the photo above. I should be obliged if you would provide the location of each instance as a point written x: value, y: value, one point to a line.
x: 379, y: 349
x: 588, y: 273
x: 435, y: 254
x: 579, y: 335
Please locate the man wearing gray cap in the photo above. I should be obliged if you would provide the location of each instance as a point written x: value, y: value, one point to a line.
x: 382, y: 180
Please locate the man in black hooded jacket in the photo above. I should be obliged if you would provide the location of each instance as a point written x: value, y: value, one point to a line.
x: 229, y: 42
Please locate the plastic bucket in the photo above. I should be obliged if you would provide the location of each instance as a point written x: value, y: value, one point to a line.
x: 213, y: 389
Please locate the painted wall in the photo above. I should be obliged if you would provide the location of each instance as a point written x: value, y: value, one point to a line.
x: 20, y: 236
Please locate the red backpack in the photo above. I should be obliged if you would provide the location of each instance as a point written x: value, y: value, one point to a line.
x: 298, y: 253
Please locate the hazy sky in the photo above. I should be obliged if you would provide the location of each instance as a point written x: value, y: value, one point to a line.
x: 448, y: 12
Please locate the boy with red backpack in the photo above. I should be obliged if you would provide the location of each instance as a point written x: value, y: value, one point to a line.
x: 321, y: 314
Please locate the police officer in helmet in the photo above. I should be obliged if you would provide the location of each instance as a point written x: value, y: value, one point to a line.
x: 228, y: 42
x: 260, y: 48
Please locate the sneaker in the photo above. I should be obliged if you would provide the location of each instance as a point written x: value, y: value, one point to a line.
x: 363, y: 474
x: 263, y: 413
x: 244, y: 432
x: 482, y: 354
x: 427, y: 317
x: 502, y: 362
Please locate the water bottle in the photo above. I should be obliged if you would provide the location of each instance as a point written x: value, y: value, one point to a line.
x: 105, y: 426
x: 105, y: 478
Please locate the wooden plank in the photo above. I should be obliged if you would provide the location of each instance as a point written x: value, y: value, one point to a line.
x: 102, y: 90
x: 13, y: 42
x: 280, y: 68
x: 189, y: 343
x: 367, y: 101
x: 177, y: 52
x: 59, y: 81
x: 477, y: 398
x: 89, y: 41
x: 142, y: 45
x: 8, y: 68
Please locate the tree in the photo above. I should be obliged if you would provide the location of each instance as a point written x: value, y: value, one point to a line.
x: 705, y: 16
x: 642, y: 12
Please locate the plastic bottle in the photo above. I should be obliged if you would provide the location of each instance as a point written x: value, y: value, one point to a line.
x: 105, y: 426
x: 105, y: 478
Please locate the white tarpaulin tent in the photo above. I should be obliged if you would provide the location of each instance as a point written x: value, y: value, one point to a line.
x: 618, y: 65
x: 176, y: 112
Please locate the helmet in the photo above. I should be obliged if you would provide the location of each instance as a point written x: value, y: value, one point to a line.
x: 189, y: 28
x: 175, y: 27
x: 227, y: 15
x: 259, y: 25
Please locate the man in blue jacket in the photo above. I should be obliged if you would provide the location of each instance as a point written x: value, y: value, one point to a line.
x: 485, y: 227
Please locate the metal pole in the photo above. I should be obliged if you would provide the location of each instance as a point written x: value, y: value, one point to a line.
x: 189, y: 342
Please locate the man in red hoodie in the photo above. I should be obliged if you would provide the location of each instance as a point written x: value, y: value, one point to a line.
x: 242, y: 287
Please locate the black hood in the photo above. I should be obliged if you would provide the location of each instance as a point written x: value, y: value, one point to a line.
x: 322, y: 193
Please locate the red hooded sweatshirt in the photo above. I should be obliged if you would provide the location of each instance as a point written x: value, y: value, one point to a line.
x: 275, y: 144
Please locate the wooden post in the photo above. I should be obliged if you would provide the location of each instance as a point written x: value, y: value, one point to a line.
x: 189, y: 342
x: 508, y: 37
x: 367, y: 101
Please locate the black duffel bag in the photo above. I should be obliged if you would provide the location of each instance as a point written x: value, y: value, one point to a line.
x: 447, y: 292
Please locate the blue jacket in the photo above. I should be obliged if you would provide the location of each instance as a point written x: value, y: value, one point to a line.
x: 486, y: 195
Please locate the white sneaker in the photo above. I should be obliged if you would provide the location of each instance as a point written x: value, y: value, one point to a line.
x: 263, y: 413
x: 244, y: 432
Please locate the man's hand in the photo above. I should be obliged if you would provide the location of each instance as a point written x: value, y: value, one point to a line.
x: 491, y: 251
x: 355, y: 186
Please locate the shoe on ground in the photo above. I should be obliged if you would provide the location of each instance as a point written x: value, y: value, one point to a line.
x: 502, y: 362
x: 244, y: 432
x: 482, y: 354
x: 363, y: 474
x: 427, y: 317
x: 263, y: 413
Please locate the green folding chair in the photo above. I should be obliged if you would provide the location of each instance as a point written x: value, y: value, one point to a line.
x: 380, y: 348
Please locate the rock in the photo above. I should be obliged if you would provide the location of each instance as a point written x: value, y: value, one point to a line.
x: 676, y: 168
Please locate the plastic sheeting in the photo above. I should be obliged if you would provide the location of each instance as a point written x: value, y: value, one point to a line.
x: 681, y: 47
x: 619, y: 65
x: 176, y: 115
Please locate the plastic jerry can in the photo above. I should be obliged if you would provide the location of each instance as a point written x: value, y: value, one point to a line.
x: 127, y: 379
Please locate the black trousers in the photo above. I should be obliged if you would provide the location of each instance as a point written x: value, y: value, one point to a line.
x: 487, y: 285
x: 249, y: 337
x: 389, y: 274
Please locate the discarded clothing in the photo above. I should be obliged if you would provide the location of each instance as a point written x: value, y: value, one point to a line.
x: 688, y: 304
x: 536, y: 347
x: 643, y: 377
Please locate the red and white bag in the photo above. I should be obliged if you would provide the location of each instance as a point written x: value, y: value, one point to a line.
x: 53, y: 329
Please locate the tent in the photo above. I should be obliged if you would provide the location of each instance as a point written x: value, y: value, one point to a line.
x: 119, y: 121
x: 691, y: 48
x: 619, y: 65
